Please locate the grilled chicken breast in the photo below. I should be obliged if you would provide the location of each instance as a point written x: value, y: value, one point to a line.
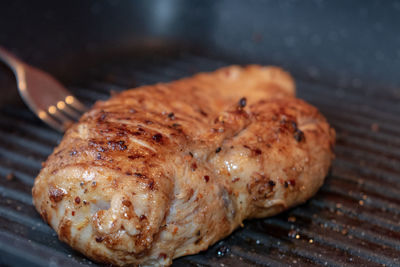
x: 166, y: 170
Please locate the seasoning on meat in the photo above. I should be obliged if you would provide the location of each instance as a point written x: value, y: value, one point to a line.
x: 242, y: 102
x: 171, y: 116
x: 129, y: 186
x: 157, y: 137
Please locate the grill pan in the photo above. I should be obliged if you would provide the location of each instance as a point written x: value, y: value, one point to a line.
x: 352, y: 221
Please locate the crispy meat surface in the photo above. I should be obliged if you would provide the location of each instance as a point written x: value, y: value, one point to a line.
x: 166, y: 170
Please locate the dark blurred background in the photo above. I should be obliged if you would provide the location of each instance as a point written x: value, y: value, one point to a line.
x: 344, y: 55
x: 352, y: 44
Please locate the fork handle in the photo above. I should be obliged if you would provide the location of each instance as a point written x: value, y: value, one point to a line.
x: 9, y: 59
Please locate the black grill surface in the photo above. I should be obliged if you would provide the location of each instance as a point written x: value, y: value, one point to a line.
x: 353, y: 220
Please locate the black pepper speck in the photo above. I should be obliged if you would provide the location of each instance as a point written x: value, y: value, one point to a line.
x: 298, y: 135
x: 171, y: 116
x: 242, y: 102
x: 157, y: 137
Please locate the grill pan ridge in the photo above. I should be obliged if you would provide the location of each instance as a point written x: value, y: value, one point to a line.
x: 352, y: 221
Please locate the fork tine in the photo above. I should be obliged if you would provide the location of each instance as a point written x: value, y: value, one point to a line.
x: 46, y: 117
x: 33, y: 83
x: 75, y: 115
x: 64, y: 120
x: 75, y: 104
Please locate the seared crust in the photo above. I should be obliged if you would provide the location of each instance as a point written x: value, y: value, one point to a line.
x: 166, y: 170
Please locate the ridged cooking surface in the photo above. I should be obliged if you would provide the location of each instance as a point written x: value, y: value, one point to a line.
x: 353, y: 220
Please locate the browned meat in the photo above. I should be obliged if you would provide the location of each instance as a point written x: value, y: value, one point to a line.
x: 167, y: 170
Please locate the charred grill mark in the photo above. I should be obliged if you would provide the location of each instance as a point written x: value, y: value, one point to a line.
x: 206, y: 178
x: 218, y: 150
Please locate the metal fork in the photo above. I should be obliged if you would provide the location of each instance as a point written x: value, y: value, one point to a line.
x: 43, y: 94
